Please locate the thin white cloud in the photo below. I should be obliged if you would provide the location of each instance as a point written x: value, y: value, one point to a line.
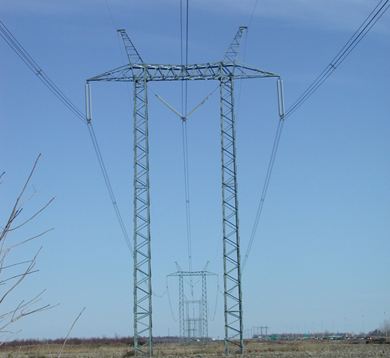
x: 64, y: 8
x: 329, y: 14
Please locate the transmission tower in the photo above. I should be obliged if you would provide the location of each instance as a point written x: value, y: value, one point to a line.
x: 193, y: 320
x: 225, y: 71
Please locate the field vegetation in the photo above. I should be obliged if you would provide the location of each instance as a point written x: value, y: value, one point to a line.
x: 123, y: 348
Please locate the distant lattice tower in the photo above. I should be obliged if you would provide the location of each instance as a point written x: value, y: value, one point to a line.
x: 193, y: 320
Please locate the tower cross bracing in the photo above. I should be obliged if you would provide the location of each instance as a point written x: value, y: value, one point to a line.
x: 140, y: 73
x: 195, y: 325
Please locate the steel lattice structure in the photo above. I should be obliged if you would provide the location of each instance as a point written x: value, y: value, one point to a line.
x: 225, y: 71
x: 192, y: 326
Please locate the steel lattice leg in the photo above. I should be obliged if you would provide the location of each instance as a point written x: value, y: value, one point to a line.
x: 204, y: 318
x: 181, y: 309
x: 231, y: 241
x: 142, y: 255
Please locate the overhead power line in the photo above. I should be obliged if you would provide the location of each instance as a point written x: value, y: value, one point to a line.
x: 34, y: 67
x: 108, y: 185
x: 265, y: 189
x: 360, y: 33
x: 184, y: 95
x: 355, y: 39
x: 253, y: 12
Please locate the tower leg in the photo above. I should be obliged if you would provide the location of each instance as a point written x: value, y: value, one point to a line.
x: 234, y: 342
x: 142, y: 254
x: 203, y: 315
x: 181, y: 309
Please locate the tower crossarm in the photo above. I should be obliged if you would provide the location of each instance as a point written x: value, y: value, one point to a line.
x: 206, y: 71
x: 193, y: 273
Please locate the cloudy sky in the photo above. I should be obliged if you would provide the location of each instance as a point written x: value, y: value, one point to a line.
x: 320, y: 255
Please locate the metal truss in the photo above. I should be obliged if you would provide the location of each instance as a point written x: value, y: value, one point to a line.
x: 225, y: 71
x: 206, y: 71
x: 231, y: 240
x: 142, y: 253
x: 193, y: 317
x: 182, y: 329
x: 194, y: 322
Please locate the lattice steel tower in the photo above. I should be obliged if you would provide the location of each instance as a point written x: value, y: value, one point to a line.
x: 193, y: 325
x: 225, y: 71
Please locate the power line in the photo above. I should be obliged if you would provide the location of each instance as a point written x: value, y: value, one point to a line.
x: 169, y: 300
x: 187, y: 191
x: 253, y: 12
x: 33, y: 66
x: 108, y: 185
x: 29, y: 61
x: 110, y: 13
x: 366, y: 26
x: 265, y: 188
x: 184, y: 131
x: 359, y: 34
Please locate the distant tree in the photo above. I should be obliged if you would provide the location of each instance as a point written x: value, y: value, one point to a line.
x: 14, y: 272
x: 382, y: 331
x: 375, y: 333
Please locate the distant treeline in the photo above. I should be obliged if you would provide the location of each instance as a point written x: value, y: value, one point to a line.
x: 92, y: 342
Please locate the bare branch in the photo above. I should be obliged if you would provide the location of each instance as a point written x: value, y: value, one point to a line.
x: 16, y: 309
x: 26, y: 201
x: 12, y: 277
x: 24, y: 314
x: 15, y: 211
x: 28, y: 179
x: 22, y: 307
x: 31, y: 238
x: 17, y: 264
x: 29, y: 269
x: 2, y: 260
x: 25, y: 307
x: 8, y: 338
x: 32, y: 217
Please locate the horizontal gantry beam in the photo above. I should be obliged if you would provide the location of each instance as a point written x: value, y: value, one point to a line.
x: 193, y: 273
x: 207, y: 71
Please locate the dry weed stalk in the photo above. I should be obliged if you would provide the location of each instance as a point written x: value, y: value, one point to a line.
x: 62, y: 348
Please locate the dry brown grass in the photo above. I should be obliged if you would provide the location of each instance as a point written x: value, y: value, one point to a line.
x: 274, y: 349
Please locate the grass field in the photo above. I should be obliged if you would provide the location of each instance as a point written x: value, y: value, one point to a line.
x: 274, y: 349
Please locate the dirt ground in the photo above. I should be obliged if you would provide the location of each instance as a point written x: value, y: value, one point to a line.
x: 356, y: 349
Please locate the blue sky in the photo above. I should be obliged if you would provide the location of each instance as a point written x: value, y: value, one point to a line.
x: 320, y: 255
